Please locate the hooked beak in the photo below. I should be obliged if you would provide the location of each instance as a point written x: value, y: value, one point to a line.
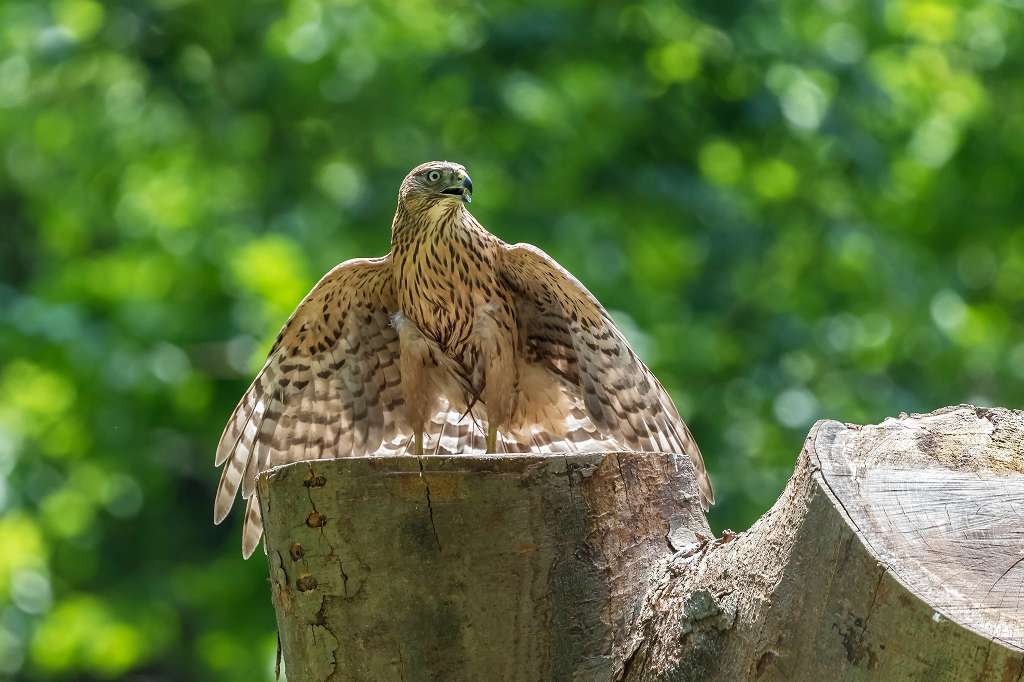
x: 463, y: 189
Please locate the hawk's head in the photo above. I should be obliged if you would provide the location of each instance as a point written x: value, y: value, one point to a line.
x: 437, y: 181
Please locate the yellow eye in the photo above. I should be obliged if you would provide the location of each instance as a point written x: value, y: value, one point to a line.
x: 434, y: 176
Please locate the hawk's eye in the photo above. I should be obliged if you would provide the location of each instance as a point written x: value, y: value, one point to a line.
x: 434, y: 176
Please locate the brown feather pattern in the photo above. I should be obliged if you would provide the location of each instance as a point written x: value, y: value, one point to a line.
x: 449, y: 332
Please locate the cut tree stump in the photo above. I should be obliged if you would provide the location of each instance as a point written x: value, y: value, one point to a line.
x: 896, y: 552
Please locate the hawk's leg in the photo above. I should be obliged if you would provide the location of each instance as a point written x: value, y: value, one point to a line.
x: 416, y: 361
x: 492, y: 439
x: 494, y: 367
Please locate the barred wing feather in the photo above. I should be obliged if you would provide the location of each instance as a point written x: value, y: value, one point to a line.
x: 566, y: 330
x: 330, y: 387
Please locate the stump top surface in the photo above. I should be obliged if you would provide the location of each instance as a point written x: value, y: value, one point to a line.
x: 469, y: 463
x: 466, y: 462
x: 939, y: 498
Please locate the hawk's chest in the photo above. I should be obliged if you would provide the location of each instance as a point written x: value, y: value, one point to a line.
x: 445, y: 281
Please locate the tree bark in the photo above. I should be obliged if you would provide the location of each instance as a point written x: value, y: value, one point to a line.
x: 895, y: 552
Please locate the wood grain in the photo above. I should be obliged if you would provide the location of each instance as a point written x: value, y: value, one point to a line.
x: 939, y: 498
x: 471, y: 567
x: 894, y: 553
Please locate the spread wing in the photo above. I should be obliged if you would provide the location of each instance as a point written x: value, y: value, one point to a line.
x: 569, y: 333
x: 331, y: 387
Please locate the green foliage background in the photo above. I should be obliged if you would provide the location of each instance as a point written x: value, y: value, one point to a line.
x: 798, y: 210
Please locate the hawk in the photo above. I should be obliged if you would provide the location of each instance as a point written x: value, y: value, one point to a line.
x: 454, y: 342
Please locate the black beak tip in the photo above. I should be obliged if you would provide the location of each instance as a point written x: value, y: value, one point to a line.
x: 467, y: 183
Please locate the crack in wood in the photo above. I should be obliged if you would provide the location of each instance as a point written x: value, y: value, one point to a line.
x: 625, y: 486
x: 430, y: 505
x: 322, y: 621
x: 320, y: 481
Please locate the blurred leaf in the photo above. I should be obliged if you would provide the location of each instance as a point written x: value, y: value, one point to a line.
x: 796, y: 211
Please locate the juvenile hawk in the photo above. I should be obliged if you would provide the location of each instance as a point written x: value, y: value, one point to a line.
x: 454, y: 342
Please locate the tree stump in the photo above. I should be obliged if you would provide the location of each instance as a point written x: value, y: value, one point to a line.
x: 896, y: 552
x: 470, y: 567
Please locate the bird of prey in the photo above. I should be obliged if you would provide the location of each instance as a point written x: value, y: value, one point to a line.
x: 454, y: 342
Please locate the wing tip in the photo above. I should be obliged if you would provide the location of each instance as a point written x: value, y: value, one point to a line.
x: 252, y: 527
x: 249, y: 546
x: 221, y: 510
x: 707, y: 493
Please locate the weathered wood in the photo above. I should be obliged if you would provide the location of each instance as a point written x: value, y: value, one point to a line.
x: 940, y: 499
x: 456, y: 568
x: 896, y: 552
